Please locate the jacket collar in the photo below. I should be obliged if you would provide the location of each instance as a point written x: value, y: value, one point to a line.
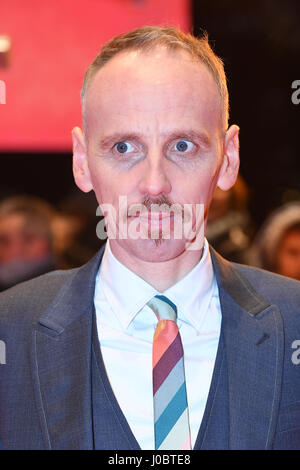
x: 75, y: 297
x: 237, y: 286
x: 77, y: 294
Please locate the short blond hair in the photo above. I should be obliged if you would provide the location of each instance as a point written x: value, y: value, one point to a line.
x: 148, y: 38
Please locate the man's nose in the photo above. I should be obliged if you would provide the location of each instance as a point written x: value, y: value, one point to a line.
x: 155, y: 179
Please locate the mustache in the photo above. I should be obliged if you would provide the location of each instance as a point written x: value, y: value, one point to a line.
x: 159, y: 204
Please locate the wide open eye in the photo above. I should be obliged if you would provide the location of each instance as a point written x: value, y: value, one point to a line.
x: 124, y: 147
x: 183, y: 146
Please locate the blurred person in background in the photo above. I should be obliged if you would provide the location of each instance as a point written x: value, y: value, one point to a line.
x: 74, y: 229
x: 26, y: 240
x: 229, y: 225
x: 277, y: 244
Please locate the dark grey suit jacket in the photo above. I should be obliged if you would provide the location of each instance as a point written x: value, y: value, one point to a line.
x: 45, y: 389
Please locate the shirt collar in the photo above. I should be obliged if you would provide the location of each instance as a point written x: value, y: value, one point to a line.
x: 127, y: 293
x: 193, y: 293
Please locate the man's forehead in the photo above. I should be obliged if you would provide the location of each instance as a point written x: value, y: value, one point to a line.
x: 155, y: 88
x: 137, y: 60
x: 12, y: 220
x: 145, y: 70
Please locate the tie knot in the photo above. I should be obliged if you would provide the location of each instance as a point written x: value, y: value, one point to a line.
x: 163, y: 308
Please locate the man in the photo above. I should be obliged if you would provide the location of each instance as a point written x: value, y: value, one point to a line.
x: 78, y: 372
x: 277, y: 244
x: 26, y: 241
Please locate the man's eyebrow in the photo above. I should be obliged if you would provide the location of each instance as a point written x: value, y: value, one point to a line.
x: 112, y: 139
x: 202, y: 137
x: 199, y: 136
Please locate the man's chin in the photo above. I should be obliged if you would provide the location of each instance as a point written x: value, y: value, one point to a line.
x: 152, y: 250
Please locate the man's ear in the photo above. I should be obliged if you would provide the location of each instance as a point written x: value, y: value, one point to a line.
x: 81, y: 170
x: 231, y: 162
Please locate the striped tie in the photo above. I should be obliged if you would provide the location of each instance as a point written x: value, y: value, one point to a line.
x: 169, y: 389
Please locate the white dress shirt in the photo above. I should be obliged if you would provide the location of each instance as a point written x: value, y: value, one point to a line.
x: 126, y: 326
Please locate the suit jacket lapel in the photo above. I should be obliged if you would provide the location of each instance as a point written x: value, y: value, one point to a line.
x: 61, y: 362
x: 253, y: 335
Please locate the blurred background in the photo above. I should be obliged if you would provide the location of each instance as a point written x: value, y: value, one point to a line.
x: 45, y: 48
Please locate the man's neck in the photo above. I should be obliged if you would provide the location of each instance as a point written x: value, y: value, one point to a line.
x: 159, y: 274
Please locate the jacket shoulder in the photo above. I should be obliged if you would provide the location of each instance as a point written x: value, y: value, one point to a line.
x: 277, y: 289
x: 28, y: 299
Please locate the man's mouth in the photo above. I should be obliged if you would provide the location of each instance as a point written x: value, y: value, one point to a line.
x: 153, y: 218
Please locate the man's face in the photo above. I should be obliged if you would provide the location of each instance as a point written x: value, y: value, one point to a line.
x: 288, y: 259
x: 16, y: 244
x: 12, y: 240
x: 153, y: 134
